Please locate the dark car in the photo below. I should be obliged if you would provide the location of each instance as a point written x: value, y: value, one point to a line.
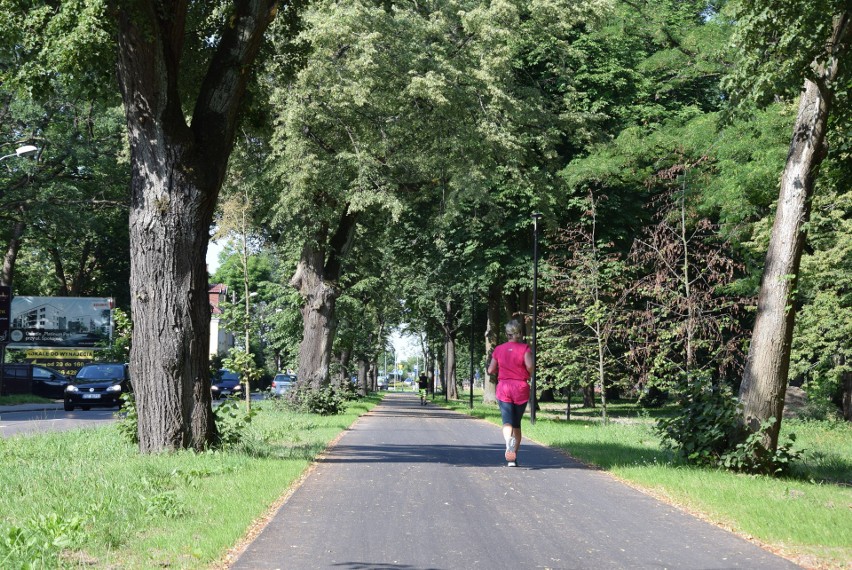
x: 98, y: 384
x: 49, y: 383
x: 26, y: 378
x: 226, y: 383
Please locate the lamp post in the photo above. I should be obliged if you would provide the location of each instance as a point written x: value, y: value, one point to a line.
x: 536, y: 216
x: 472, y: 321
x: 24, y: 150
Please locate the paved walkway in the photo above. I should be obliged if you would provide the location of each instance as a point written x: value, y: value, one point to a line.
x: 414, y: 487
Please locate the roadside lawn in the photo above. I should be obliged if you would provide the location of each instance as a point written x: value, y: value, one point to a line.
x: 87, y: 498
x: 806, y: 517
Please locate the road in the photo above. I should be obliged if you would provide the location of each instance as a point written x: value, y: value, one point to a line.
x: 28, y: 421
x: 35, y: 418
x: 412, y: 487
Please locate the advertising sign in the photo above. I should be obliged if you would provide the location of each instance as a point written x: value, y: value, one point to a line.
x: 73, y: 322
x: 5, y: 310
x: 66, y: 360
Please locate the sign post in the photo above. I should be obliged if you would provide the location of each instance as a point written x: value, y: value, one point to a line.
x: 5, y: 315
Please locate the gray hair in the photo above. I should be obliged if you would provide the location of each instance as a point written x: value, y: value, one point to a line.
x: 514, y: 330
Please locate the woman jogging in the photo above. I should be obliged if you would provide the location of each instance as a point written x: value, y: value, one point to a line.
x: 513, y: 363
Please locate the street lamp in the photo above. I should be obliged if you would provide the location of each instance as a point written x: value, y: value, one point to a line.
x: 25, y: 150
x: 536, y: 216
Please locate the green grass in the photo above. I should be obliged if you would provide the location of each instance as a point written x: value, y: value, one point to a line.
x: 85, y: 498
x: 17, y: 399
x: 807, y: 516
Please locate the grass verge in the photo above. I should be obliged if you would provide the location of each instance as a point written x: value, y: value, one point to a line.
x: 85, y: 498
x: 806, y: 517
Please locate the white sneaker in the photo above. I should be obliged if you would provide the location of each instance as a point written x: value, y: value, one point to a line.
x: 510, y: 450
x: 512, y: 464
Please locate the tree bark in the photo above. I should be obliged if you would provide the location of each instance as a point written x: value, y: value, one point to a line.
x: 589, y: 396
x: 765, y: 377
x: 316, y: 278
x: 343, y: 361
x: 492, y: 333
x: 449, y: 328
x: 177, y: 173
x: 363, y: 377
x: 11, y: 254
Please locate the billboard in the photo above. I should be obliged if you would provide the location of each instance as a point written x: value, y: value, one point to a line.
x: 72, y: 322
x: 66, y: 360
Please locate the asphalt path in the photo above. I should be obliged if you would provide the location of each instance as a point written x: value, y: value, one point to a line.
x: 421, y: 487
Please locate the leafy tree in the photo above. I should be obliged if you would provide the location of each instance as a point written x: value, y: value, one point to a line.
x: 821, y: 355
x: 588, y: 285
x: 687, y: 323
x: 787, y: 48
x: 66, y: 210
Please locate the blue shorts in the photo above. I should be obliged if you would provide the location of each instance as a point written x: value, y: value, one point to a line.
x: 512, y: 413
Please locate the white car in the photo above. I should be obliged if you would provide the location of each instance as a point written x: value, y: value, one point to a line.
x: 281, y: 384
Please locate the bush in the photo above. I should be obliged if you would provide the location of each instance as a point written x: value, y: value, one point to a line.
x: 326, y: 401
x: 231, y: 422
x: 704, y: 429
x: 751, y: 456
x: 128, y: 420
x: 703, y: 424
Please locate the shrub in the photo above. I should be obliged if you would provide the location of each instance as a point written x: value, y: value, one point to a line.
x: 326, y: 401
x: 39, y: 542
x: 231, y: 422
x: 751, y: 456
x: 700, y: 429
x: 128, y: 420
x: 704, y: 429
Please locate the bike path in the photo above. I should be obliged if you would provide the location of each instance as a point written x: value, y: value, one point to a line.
x: 422, y: 487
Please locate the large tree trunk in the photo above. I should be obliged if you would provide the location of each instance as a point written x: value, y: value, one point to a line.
x: 316, y: 280
x: 177, y: 172
x: 374, y: 376
x: 449, y: 328
x: 765, y: 377
x: 11, y: 255
x: 343, y: 361
x: 363, y: 377
x: 492, y: 328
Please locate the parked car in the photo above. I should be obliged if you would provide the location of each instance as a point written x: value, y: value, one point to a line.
x: 226, y: 383
x: 281, y: 384
x: 98, y: 384
x: 49, y: 383
x: 26, y: 378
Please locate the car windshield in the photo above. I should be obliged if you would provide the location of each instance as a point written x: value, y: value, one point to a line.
x: 101, y: 371
x: 228, y: 376
x: 283, y: 378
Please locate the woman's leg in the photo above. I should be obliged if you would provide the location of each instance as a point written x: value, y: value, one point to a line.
x: 518, y: 414
x: 507, y: 413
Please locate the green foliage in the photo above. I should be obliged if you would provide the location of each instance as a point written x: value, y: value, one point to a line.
x: 702, y: 425
x: 39, y: 541
x: 821, y: 353
x: 325, y: 401
x: 231, y: 422
x: 122, y: 335
x: 752, y: 456
x: 706, y: 422
x: 775, y: 45
x: 127, y: 419
x: 242, y: 362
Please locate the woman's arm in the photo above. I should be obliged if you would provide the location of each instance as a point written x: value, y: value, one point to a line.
x: 528, y: 361
x: 492, y: 365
